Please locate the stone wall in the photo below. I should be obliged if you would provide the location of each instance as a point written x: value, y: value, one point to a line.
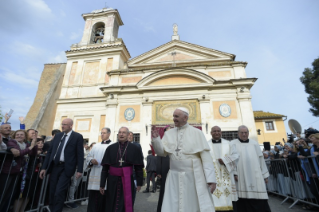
x: 42, y: 112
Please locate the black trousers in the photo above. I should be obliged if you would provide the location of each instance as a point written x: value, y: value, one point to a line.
x: 150, y: 175
x: 59, y: 184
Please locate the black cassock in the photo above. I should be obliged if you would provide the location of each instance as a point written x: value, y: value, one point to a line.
x: 162, y: 169
x: 115, y: 200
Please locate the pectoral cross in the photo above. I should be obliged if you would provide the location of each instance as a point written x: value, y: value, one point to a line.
x: 251, y: 186
x: 177, y: 150
x: 121, y: 161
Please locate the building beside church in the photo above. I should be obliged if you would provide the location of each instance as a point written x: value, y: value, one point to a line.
x: 270, y: 127
x: 101, y: 86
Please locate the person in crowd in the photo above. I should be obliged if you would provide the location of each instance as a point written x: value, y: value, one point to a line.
x: 91, y: 145
x: 118, y: 162
x: 251, y: 175
x: 5, y: 131
x: 310, y: 167
x: 63, y: 158
x: 10, y: 175
x: 93, y: 160
x: 191, y: 166
x: 32, y: 183
x: 225, y: 159
x: 75, y: 181
x: 151, y: 171
x: 3, y: 146
x: 31, y: 133
x: 162, y: 170
x: 46, y: 146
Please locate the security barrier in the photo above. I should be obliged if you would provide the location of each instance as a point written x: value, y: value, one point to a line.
x: 294, y: 178
x: 21, y: 188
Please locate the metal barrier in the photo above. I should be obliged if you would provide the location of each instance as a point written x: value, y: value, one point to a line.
x: 295, y: 179
x: 21, y: 188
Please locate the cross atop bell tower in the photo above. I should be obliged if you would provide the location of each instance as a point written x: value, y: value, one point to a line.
x: 101, y: 26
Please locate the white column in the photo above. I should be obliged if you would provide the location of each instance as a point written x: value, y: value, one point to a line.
x: 147, y: 120
x: 110, y: 116
x: 205, y: 114
x: 247, y: 116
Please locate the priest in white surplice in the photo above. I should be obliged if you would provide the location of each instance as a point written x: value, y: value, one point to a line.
x: 225, y: 159
x: 191, y: 178
x: 93, y: 159
x: 252, y: 174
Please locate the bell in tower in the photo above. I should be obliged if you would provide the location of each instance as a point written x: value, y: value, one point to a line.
x: 101, y: 26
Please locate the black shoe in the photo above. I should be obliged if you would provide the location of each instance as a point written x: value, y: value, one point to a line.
x: 146, y: 191
x: 72, y: 205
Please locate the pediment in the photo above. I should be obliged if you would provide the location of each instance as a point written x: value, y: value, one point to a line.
x: 177, y: 51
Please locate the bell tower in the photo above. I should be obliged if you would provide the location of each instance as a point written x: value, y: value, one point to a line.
x: 101, y: 26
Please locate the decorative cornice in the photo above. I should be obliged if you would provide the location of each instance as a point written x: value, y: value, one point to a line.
x: 181, y: 42
x: 190, y: 65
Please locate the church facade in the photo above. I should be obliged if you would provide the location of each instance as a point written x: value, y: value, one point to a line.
x: 101, y: 86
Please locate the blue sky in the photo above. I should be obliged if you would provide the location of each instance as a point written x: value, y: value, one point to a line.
x: 278, y: 39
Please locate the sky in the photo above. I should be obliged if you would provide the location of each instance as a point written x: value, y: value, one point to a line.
x: 278, y: 39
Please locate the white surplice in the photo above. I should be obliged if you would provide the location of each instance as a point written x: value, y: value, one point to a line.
x: 225, y: 191
x: 96, y: 153
x: 251, y: 170
x: 191, y: 168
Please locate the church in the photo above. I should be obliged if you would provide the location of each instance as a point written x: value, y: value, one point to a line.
x: 102, y: 86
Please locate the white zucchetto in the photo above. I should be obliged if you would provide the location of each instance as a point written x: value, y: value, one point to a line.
x: 183, y: 109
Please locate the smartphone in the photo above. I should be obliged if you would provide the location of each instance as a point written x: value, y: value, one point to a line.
x: 10, y: 112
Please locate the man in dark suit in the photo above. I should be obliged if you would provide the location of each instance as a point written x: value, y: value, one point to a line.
x: 151, y: 170
x: 63, y: 158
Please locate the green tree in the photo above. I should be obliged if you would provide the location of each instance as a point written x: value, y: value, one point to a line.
x: 0, y: 115
x: 310, y: 79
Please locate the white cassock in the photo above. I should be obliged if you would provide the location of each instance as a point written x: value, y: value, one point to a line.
x: 251, y: 170
x: 191, y: 168
x: 225, y: 191
x: 96, y: 153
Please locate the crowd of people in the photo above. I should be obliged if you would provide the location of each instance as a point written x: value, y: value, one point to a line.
x: 294, y: 168
x: 194, y: 174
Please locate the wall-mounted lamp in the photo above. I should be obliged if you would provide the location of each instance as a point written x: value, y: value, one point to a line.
x: 258, y: 131
x: 206, y: 128
x: 146, y: 129
x: 203, y: 96
x: 111, y: 96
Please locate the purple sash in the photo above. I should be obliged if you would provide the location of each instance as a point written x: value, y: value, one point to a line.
x: 125, y: 173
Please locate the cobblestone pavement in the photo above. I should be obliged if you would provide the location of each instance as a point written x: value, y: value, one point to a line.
x: 147, y: 202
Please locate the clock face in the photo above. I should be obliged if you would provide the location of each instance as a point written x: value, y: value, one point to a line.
x: 224, y: 110
x: 129, y: 114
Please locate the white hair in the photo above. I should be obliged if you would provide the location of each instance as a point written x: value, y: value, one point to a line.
x: 128, y: 131
x: 108, y: 130
x: 242, y: 126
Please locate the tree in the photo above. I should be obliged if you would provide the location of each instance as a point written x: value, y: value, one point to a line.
x: 310, y: 79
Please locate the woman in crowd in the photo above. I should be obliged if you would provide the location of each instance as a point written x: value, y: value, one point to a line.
x: 11, y: 172
x: 32, y: 181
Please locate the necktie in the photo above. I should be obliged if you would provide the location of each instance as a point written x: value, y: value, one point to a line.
x: 58, y: 152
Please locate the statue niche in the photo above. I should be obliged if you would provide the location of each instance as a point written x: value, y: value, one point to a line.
x: 98, y: 33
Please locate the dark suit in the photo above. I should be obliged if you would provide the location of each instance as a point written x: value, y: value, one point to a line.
x: 60, y: 175
x: 151, y: 170
x: 162, y: 169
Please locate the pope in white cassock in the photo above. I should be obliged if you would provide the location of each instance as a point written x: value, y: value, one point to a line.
x: 191, y: 178
x: 93, y: 159
x: 252, y: 174
x: 225, y: 159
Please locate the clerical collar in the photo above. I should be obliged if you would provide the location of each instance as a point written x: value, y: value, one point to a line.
x: 123, y: 144
x: 106, y: 142
x: 247, y: 141
x: 183, y: 127
x: 216, y: 141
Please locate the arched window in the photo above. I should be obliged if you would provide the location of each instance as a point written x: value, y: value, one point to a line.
x: 98, y: 33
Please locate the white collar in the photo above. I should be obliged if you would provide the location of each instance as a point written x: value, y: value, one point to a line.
x: 183, y: 127
x: 69, y: 133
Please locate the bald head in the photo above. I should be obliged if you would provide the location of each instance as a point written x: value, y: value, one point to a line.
x: 216, y: 132
x: 5, y: 130
x: 67, y: 125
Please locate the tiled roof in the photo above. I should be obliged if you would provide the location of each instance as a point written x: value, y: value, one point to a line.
x: 261, y: 114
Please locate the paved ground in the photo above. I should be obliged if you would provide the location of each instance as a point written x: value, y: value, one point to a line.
x: 147, y: 202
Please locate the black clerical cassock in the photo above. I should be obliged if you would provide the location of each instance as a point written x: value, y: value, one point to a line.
x: 118, y: 162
